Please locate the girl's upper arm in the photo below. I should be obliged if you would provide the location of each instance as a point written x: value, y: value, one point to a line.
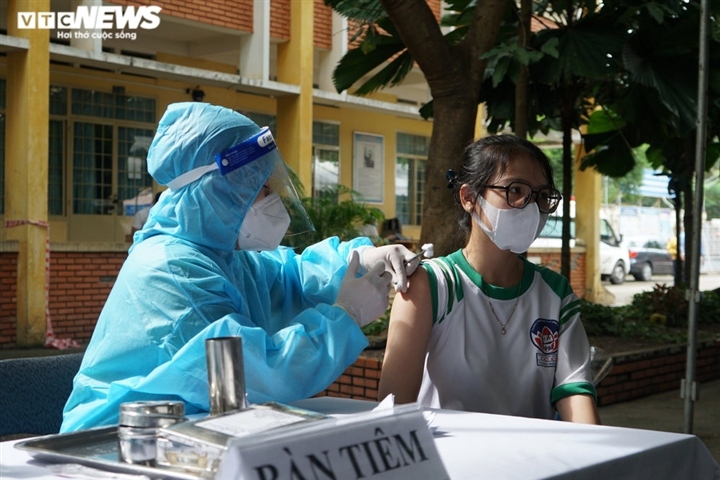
x: 408, y: 336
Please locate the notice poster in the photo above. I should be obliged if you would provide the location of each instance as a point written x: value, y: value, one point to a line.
x: 369, y: 164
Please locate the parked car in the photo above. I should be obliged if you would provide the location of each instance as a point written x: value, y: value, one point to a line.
x: 648, y: 257
x: 614, y: 257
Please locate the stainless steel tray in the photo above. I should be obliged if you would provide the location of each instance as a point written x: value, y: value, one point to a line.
x: 95, y: 448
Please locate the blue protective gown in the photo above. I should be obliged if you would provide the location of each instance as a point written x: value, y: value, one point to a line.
x: 183, y: 282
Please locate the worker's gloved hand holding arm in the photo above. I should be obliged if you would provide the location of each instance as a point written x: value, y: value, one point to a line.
x: 364, y: 298
x: 393, y: 258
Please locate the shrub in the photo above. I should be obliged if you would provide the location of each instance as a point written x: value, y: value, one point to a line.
x: 336, y: 211
x: 658, y: 315
x: 668, y: 302
x: 378, y: 326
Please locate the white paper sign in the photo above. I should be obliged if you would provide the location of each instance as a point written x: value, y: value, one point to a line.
x: 250, y: 421
x: 391, y: 444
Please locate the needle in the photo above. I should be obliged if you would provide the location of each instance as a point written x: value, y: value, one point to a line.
x: 427, y: 250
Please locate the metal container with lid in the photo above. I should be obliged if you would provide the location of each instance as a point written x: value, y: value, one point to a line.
x: 138, y: 427
x: 160, y: 407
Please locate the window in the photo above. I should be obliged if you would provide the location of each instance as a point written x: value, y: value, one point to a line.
x: 92, y: 168
x: 133, y: 146
x: 56, y: 150
x: 115, y: 106
x: 412, y: 152
x: 110, y: 148
x: 326, y: 156
x: 109, y: 152
x: 108, y: 135
x: 58, y: 100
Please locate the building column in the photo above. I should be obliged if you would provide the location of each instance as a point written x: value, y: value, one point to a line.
x: 587, y: 227
x: 26, y: 167
x: 295, y: 112
x: 255, y: 48
x: 330, y: 60
x: 480, y: 130
x: 90, y: 44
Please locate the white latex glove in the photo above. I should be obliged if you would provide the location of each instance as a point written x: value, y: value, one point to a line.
x: 392, y: 258
x: 367, y: 297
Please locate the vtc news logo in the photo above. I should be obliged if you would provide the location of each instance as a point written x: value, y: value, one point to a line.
x: 93, y: 18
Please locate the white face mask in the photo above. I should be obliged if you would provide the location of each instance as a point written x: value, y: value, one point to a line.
x: 264, y: 225
x: 512, y: 229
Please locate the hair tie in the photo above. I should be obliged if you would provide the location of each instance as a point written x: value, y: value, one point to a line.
x: 452, y: 178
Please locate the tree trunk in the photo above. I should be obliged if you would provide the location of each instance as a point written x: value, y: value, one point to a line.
x: 454, y: 75
x: 521, y: 88
x: 453, y: 127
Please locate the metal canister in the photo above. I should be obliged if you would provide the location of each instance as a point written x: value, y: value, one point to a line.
x: 138, y: 427
x: 226, y: 375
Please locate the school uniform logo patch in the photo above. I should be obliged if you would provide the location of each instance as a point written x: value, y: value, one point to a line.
x: 544, y: 335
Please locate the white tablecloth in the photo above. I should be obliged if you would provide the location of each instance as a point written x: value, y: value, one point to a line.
x: 480, y: 446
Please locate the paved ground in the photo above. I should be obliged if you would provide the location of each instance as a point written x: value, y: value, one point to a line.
x: 624, y: 292
x: 666, y: 412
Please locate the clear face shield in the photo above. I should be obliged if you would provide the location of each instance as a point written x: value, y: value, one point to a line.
x: 262, y: 147
x: 282, y: 184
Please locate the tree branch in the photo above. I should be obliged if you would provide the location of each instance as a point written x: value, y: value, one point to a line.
x: 420, y: 31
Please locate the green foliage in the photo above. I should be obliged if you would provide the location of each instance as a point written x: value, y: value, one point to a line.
x: 655, y: 92
x: 379, y: 44
x: 555, y: 156
x: 659, y: 315
x: 598, y: 319
x: 624, y: 322
x: 666, y: 302
x: 709, y: 311
x: 625, y: 189
x: 364, y: 10
x: 712, y: 200
x: 337, y: 211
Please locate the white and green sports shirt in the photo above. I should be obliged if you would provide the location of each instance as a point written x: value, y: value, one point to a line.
x: 471, y: 366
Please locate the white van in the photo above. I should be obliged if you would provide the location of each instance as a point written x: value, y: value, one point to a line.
x: 614, y: 256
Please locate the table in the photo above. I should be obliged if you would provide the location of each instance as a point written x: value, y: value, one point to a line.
x: 482, y: 446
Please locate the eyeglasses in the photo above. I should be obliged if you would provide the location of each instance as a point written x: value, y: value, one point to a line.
x: 518, y: 195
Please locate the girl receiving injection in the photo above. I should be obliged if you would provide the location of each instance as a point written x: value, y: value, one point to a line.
x: 483, y: 329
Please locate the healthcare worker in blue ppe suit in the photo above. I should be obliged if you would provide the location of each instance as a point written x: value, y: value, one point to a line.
x: 207, y: 264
